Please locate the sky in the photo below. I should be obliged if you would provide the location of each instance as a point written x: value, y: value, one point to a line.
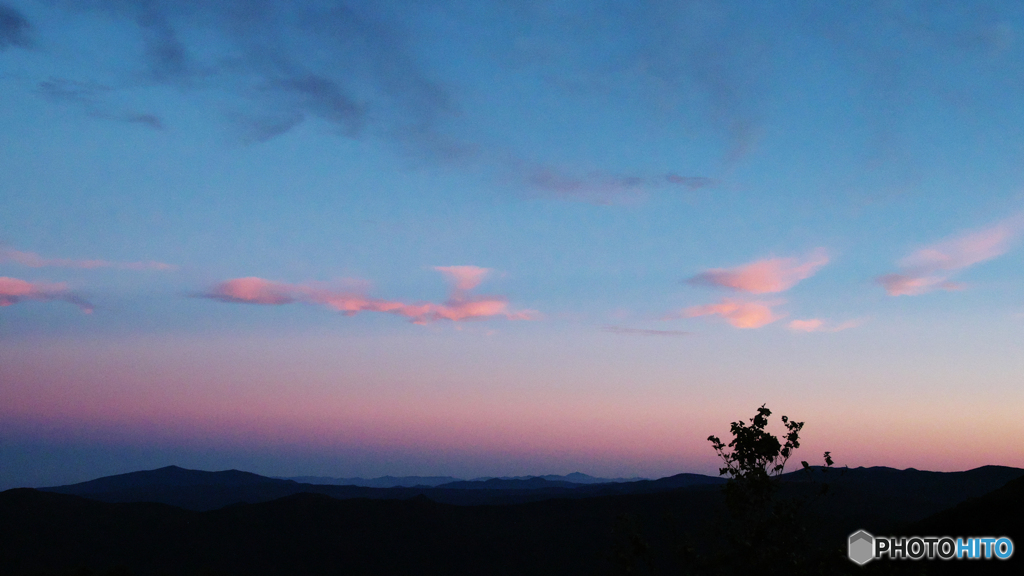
x: 486, y: 238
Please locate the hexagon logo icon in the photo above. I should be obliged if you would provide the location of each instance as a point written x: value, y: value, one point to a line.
x: 861, y: 547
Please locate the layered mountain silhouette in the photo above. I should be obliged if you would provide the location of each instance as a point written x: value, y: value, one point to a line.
x: 381, y: 482
x: 200, y: 490
x: 432, y: 481
x: 288, y: 527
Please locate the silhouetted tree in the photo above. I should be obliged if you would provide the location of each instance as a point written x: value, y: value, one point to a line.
x: 764, y: 533
x: 754, y: 459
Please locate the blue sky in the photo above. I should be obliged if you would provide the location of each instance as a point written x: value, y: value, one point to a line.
x: 661, y: 214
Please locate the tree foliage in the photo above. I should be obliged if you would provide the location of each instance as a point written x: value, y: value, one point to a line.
x: 754, y: 458
x: 765, y: 533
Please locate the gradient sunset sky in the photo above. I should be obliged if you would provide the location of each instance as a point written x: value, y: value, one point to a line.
x: 489, y: 237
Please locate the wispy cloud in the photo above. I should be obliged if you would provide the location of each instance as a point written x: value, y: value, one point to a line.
x: 464, y: 277
x: 359, y: 67
x: 930, y: 268
x: 89, y: 99
x: 819, y: 325
x: 644, y: 332
x: 14, y: 290
x: 738, y: 313
x: 603, y: 187
x: 459, y: 306
x: 708, y: 58
x: 33, y: 260
x: 14, y: 28
x: 691, y: 182
x: 764, y: 276
x: 253, y: 290
x: 362, y: 75
x: 365, y: 79
x: 911, y: 285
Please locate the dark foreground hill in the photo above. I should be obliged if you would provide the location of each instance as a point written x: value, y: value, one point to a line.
x: 881, y: 496
x: 316, y: 534
x: 998, y: 513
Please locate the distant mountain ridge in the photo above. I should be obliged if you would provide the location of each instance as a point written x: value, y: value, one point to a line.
x: 380, y: 482
x: 572, y: 478
x: 169, y: 476
x: 434, y: 481
x: 509, y: 484
x: 914, y: 493
x: 202, y: 490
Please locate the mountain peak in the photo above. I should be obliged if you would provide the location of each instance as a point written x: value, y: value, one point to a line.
x: 168, y: 476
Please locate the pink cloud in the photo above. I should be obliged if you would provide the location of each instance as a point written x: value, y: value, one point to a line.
x: 819, y: 325
x: 930, y: 268
x: 739, y: 314
x: 13, y: 290
x: 33, y: 260
x: 455, y: 309
x: 965, y: 250
x: 458, y: 307
x: 254, y: 290
x: 764, y: 276
x: 812, y: 325
x: 909, y: 285
x: 464, y: 277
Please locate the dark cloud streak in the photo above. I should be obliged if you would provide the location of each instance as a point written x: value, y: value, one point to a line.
x: 605, y: 188
x: 167, y: 56
x: 14, y: 28
x: 326, y: 99
x: 361, y: 68
x: 347, y: 63
x: 89, y: 98
x: 339, y: 62
x: 705, y: 61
